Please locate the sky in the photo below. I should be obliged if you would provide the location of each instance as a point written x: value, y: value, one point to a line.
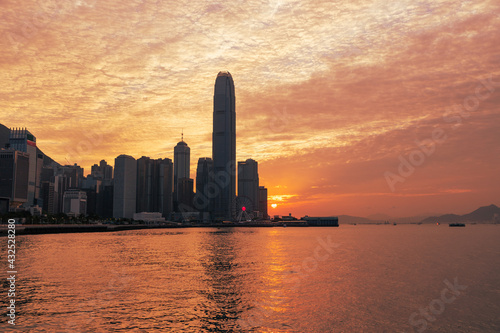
x: 350, y: 107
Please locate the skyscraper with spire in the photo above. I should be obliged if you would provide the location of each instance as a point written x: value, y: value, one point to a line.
x: 224, y: 146
x: 182, y: 155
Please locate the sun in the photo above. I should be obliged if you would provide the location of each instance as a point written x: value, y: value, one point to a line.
x: 274, y: 205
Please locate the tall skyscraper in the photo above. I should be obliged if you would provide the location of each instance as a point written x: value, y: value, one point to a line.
x: 203, y: 200
x: 124, y: 193
x: 248, y: 183
x: 181, y: 166
x: 224, y: 146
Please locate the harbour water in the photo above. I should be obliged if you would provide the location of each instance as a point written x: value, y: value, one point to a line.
x: 364, y: 278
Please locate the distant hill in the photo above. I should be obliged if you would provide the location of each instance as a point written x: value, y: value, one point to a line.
x: 380, y: 218
x: 4, y: 139
x: 486, y: 214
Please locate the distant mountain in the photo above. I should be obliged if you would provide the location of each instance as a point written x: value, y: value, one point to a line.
x: 380, y: 218
x: 410, y: 219
x: 483, y: 214
x: 486, y: 214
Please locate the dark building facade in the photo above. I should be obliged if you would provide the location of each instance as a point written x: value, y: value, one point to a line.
x: 205, y: 186
x: 263, y: 202
x: 102, y: 171
x: 154, y: 185
x: 248, y: 183
x: 185, y: 195
x: 182, y: 158
x: 224, y: 146
x: 14, y: 179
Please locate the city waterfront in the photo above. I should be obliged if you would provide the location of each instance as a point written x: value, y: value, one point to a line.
x: 362, y: 278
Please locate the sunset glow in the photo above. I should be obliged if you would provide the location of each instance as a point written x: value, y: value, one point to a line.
x: 349, y: 107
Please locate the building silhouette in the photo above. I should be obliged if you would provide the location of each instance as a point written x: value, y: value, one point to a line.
x: 102, y: 171
x: 144, y: 185
x: 205, y: 186
x: 124, y: 192
x: 24, y: 141
x: 74, y: 173
x: 224, y: 147
x: 4, y: 136
x: 248, y: 183
x: 154, y: 186
x: 14, y: 170
x: 185, y: 195
x: 54, y: 184
x: 99, y: 187
x: 93, y: 188
x: 263, y: 202
x: 181, y: 167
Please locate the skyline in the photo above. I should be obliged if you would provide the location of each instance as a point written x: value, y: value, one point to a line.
x: 331, y: 93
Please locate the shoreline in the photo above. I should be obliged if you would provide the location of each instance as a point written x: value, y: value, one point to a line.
x: 41, y: 229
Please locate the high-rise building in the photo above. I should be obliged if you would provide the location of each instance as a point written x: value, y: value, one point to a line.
x: 144, y: 185
x: 181, y: 166
x: 263, y: 202
x: 165, y: 186
x: 224, y: 146
x: 154, y: 185
x: 248, y: 183
x: 93, y: 187
x: 48, y: 194
x: 61, y: 184
x: 23, y: 140
x: 99, y: 186
x: 102, y: 171
x: 14, y: 170
x: 205, y: 186
x: 74, y: 173
x: 124, y: 193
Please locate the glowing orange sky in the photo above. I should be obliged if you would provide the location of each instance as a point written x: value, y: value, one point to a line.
x: 329, y: 95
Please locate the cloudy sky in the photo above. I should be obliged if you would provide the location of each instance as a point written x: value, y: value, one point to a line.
x: 350, y: 107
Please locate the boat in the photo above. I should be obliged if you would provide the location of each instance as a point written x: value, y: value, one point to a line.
x: 457, y: 224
